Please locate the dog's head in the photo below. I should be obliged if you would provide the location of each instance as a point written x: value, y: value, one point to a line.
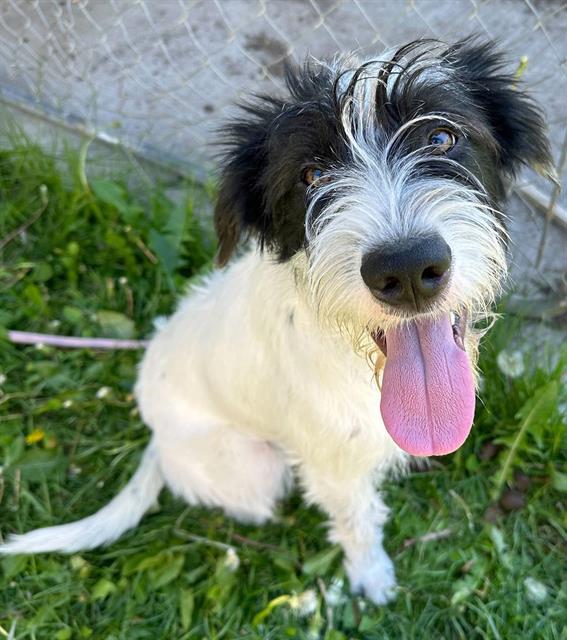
x: 381, y: 182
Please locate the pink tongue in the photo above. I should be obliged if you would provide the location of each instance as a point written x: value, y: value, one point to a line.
x: 428, y: 391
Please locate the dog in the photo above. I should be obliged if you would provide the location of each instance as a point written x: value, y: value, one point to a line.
x: 360, y: 239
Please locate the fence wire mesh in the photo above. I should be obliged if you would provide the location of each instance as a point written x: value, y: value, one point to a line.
x: 157, y: 76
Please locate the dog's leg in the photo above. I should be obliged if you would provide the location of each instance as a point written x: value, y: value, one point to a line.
x: 357, y: 516
x: 221, y: 467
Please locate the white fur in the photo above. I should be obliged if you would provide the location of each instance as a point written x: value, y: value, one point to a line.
x: 236, y: 394
x: 267, y: 366
x: 120, y: 514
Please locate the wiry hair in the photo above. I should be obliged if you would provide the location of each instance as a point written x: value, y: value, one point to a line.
x: 265, y: 149
x: 365, y: 125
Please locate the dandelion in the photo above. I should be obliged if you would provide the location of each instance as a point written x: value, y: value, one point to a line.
x: 511, y: 363
x: 103, y: 392
x: 37, y: 435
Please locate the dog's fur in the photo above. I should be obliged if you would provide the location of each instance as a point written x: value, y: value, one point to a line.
x: 268, y: 365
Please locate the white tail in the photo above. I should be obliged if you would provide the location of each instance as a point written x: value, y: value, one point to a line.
x: 104, y: 526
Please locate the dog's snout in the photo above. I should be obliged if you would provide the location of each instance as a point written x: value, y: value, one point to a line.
x: 409, y: 273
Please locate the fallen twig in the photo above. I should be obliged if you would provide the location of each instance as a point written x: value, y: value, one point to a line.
x: 185, y: 535
x: 70, y: 342
x: 428, y: 537
x: 254, y: 543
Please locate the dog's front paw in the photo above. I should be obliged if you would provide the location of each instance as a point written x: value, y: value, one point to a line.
x: 374, y: 578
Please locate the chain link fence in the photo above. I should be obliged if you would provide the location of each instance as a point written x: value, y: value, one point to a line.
x: 155, y: 78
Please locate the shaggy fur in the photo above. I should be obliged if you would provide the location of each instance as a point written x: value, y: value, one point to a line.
x: 267, y: 367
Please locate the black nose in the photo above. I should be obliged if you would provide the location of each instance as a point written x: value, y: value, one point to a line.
x: 408, y: 274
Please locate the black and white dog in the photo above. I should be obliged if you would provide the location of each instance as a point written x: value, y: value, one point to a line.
x: 341, y: 343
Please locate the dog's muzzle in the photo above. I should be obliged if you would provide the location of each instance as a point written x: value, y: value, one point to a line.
x: 409, y: 274
x: 428, y: 397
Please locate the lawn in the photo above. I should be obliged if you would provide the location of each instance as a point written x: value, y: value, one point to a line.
x: 479, y: 539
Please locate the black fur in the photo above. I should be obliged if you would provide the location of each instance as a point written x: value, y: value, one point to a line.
x: 268, y: 148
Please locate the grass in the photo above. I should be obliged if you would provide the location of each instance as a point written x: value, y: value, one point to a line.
x: 100, y: 261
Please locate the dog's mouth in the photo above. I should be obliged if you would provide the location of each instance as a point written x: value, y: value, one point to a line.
x: 428, y: 394
x: 458, y: 326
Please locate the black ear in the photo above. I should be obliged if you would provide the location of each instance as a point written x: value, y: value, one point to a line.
x: 240, y: 209
x: 516, y: 120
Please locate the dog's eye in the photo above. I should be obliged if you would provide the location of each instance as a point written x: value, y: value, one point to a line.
x: 313, y: 175
x: 442, y: 141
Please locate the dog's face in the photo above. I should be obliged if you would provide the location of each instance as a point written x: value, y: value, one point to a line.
x: 382, y: 181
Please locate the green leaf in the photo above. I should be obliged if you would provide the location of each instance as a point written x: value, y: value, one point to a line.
x: 169, y: 571
x: 42, y: 272
x: 320, y: 564
x: 33, y: 295
x: 533, y: 416
x: 186, y: 606
x: 166, y: 249
x: 37, y: 464
x: 72, y: 315
x: 463, y: 588
x: 146, y: 563
x: 367, y: 624
x: 115, y: 324
x: 64, y: 634
x: 102, y: 589
x: 110, y: 193
x: 559, y: 480
x: 13, y: 565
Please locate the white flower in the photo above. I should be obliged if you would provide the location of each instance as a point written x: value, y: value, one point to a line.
x: 231, y: 560
x: 67, y: 404
x: 511, y: 363
x: 103, y: 392
x: 2, y: 378
x: 304, y: 604
x: 122, y: 280
x: 536, y: 591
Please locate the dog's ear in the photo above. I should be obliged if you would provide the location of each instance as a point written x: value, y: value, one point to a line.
x: 229, y: 211
x: 240, y: 209
x: 516, y: 121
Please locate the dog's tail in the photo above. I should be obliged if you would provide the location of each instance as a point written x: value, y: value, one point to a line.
x: 104, y: 526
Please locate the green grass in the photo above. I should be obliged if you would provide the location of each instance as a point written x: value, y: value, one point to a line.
x: 100, y: 261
